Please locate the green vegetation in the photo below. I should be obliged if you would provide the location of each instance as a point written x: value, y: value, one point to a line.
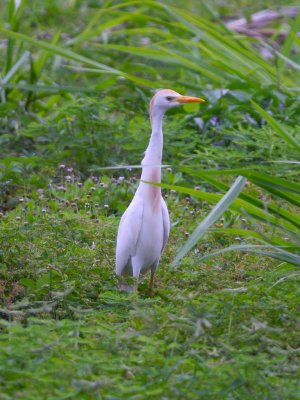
x: 76, y: 79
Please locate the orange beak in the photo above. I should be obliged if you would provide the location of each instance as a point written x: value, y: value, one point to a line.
x: 188, y: 99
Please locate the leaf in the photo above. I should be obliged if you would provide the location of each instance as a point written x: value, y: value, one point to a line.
x: 265, y: 250
x: 29, y: 283
x: 239, y: 205
x: 71, y: 55
x: 211, y: 218
x: 280, y: 130
x: 267, y: 182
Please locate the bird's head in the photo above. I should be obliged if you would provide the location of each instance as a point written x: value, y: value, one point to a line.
x: 167, y: 98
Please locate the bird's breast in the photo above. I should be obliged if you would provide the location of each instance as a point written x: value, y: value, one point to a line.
x: 150, y: 240
x: 154, y: 192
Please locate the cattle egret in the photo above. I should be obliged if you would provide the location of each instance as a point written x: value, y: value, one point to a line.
x: 145, y: 225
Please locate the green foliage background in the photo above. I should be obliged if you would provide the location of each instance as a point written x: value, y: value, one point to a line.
x: 76, y: 79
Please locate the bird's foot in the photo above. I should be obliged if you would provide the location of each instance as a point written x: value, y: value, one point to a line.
x: 128, y: 284
x: 126, y: 287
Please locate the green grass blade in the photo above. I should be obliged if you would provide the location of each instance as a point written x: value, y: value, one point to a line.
x: 90, y: 33
x: 41, y: 60
x: 15, y: 67
x: 192, y: 65
x: 249, y: 173
x: 279, y: 129
x: 289, y: 42
x: 252, y: 175
x: 239, y: 205
x: 226, y: 46
x: 289, y: 197
x: 152, y: 54
x: 278, y: 253
x: 271, y: 207
x: 213, y: 216
x: 69, y: 54
x: 272, y: 182
x: 48, y: 89
x: 251, y: 234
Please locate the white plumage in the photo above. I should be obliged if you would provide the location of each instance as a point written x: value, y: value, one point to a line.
x: 145, y: 225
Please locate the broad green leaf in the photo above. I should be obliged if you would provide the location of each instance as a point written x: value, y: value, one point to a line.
x: 29, y: 283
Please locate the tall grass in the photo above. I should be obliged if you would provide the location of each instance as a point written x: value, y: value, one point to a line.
x: 165, y: 45
x: 281, y: 211
x: 199, y: 51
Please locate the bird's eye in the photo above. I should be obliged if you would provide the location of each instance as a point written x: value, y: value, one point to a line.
x: 169, y: 98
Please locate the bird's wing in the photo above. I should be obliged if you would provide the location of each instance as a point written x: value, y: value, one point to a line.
x: 128, y: 233
x: 166, y: 222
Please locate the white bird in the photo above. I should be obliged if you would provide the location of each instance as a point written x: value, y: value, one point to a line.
x: 144, y: 227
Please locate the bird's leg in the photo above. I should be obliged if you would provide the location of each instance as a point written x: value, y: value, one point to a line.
x: 151, y: 283
x: 128, y: 284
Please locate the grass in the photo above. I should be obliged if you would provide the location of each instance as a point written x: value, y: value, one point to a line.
x: 221, y: 329
x: 128, y: 349
x: 74, y: 94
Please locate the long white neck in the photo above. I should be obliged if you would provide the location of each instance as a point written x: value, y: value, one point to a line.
x: 151, y: 170
x: 153, y: 154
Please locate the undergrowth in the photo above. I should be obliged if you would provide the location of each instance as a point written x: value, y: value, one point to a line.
x: 75, y: 86
x: 222, y: 329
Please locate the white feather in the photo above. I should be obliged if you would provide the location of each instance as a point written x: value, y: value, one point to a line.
x: 145, y: 226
